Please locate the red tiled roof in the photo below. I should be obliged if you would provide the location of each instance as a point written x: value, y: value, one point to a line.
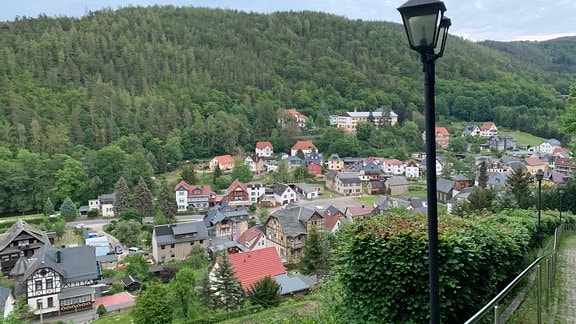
x: 204, y: 189
x: 441, y: 130
x: 224, y: 159
x: 304, y: 145
x: 296, y: 113
x: 372, y: 159
x: 249, y: 235
x: 360, y: 211
x: 487, y: 126
x: 559, y: 150
x: 330, y: 220
x: 255, y: 265
x: 263, y: 145
x: 393, y: 162
x: 237, y: 184
x: 532, y: 161
x: 565, y: 162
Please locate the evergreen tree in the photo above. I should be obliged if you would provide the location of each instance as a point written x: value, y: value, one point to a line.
x: 49, y: 208
x: 216, y: 174
x: 167, y: 204
x: 122, y: 196
x: 152, y: 306
x: 519, y: 185
x: 300, y: 154
x: 314, y: 258
x: 188, y: 174
x: 68, y: 210
x: 480, y: 199
x: 206, y: 297
x: 483, y: 176
x: 227, y: 288
x: 101, y: 310
x: 159, y: 219
x: 143, y: 199
x: 265, y: 292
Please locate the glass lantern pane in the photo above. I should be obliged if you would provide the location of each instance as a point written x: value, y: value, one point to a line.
x: 421, y: 30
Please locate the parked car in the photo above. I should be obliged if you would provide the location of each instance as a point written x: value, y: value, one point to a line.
x: 118, y: 249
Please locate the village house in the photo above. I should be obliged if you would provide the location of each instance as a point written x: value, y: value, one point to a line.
x: 502, y: 143
x: 57, y: 280
x: 444, y: 190
x: 396, y: 186
x: 348, y: 183
x: 21, y: 239
x: 412, y: 170
x: 549, y: 145
x: 237, y: 194
x: 255, y: 191
x: 252, y: 239
x: 333, y: 218
x: 104, y: 204
x: 286, y: 230
x: 533, y: 164
x: 471, y: 130
x: 314, y: 168
x: 355, y: 213
x: 488, y: 129
x: 349, y: 120
x: 196, y: 196
x: 224, y: 220
x: 308, y: 191
x: 287, y: 116
x: 264, y: 149
x: 256, y: 163
x: 370, y: 171
x: 376, y: 187
x: 393, y: 166
x: 334, y: 162
x: 224, y: 162
x: 565, y: 166
x: 460, y: 182
x: 304, y: 146
x: 441, y: 136
x: 283, y: 194
x: 173, y: 242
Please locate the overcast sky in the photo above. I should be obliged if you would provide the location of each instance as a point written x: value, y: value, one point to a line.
x: 471, y: 19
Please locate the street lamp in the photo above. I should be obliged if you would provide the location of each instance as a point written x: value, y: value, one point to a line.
x: 539, y: 177
x: 561, y: 192
x: 427, y: 30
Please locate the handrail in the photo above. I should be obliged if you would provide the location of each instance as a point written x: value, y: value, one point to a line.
x: 493, y: 304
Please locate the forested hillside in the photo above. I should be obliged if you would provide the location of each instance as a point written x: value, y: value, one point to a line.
x: 135, y: 91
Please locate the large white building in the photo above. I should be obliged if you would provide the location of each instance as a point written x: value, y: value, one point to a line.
x: 349, y: 120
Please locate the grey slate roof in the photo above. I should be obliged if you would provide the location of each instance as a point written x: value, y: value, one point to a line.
x: 334, y: 157
x: 280, y: 188
x: 19, y: 227
x: 224, y: 211
x: 293, y: 219
x: 349, y: 177
x: 107, y: 258
x: 497, y: 179
x: 331, y: 174
x: 76, y: 263
x: 460, y: 177
x: 397, y: 181
x: 165, y: 233
x: 444, y: 185
x: 331, y: 210
x: 553, y: 142
x: 293, y: 284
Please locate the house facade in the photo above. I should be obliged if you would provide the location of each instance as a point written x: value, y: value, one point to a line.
x: 252, y: 239
x: 287, y: 116
x: 565, y: 166
x: 283, y: 194
x: 349, y: 120
x: 335, y: 163
x: 502, y: 143
x: 304, y: 146
x: 393, y: 166
x: 172, y: 242
x: 548, y: 146
x: 264, y: 149
x: 442, y: 137
x: 348, y: 183
x: 471, y: 130
x: 412, y: 170
x: 488, y: 129
x: 57, y: 280
x: 224, y: 162
x: 256, y: 163
x: 396, y: 186
x: 20, y: 239
x: 224, y: 220
x: 255, y: 191
x: 196, y: 196
x: 286, y: 230
x: 237, y: 194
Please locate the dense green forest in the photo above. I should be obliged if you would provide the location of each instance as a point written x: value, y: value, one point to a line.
x: 135, y: 91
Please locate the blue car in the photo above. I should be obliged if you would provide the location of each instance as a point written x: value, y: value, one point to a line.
x: 118, y: 249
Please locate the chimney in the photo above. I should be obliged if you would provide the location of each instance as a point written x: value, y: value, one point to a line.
x: 58, y: 256
x: 355, y: 109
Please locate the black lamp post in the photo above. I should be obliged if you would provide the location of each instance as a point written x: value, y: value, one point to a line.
x: 539, y: 177
x: 427, y: 28
x: 561, y: 192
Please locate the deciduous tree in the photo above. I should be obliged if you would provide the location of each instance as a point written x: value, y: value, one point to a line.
x: 152, y: 306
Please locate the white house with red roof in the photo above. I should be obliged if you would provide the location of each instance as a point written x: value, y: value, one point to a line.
x: 549, y: 145
x: 197, y: 196
x: 264, y: 149
x: 252, y: 239
x: 488, y: 129
x: 225, y: 162
x: 393, y: 166
x: 304, y: 146
x: 287, y: 115
x: 250, y: 267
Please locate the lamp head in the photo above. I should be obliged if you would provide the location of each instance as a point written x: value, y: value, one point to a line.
x: 422, y: 20
x: 539, y: 175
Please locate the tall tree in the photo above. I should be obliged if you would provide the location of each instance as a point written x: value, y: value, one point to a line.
x: 152, y: 306
x: 128, y: 232
x: 143, y: 199
x: 226, y: 286
x: 73, y: 181
x: 68, y: 210
x: 216, y: 174
x: 481, y: 199
x: 48, y: 208
x: 242, y: 172
x: 185, y: 296
x: 314, y: 260
x: 519, y: 185
x: 483, y: 176
x: 167, y: 203
x: 188, y: 174
x: 123, y: 200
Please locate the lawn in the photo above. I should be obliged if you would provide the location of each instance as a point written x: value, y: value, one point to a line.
x: 523, y: 138
x: 69, y: 238
x: 116, y: 318
x: 15, y: 218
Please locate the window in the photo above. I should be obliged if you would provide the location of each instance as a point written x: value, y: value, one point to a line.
x: 171, y: 246
x: 201, y: 241
x: 49, y: 284
x: 50, y: 302
x: 172, y: 254
x: 162, y: 247
x: 38, y: 284
x: 39, y: 304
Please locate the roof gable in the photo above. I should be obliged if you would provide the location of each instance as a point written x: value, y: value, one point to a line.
x: 263, y: 145
x: 304, y: 145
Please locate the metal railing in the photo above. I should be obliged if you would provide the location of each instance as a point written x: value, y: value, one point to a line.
x: 550, y: 260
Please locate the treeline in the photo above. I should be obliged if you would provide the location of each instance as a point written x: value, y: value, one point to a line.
x: 163, y: 70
